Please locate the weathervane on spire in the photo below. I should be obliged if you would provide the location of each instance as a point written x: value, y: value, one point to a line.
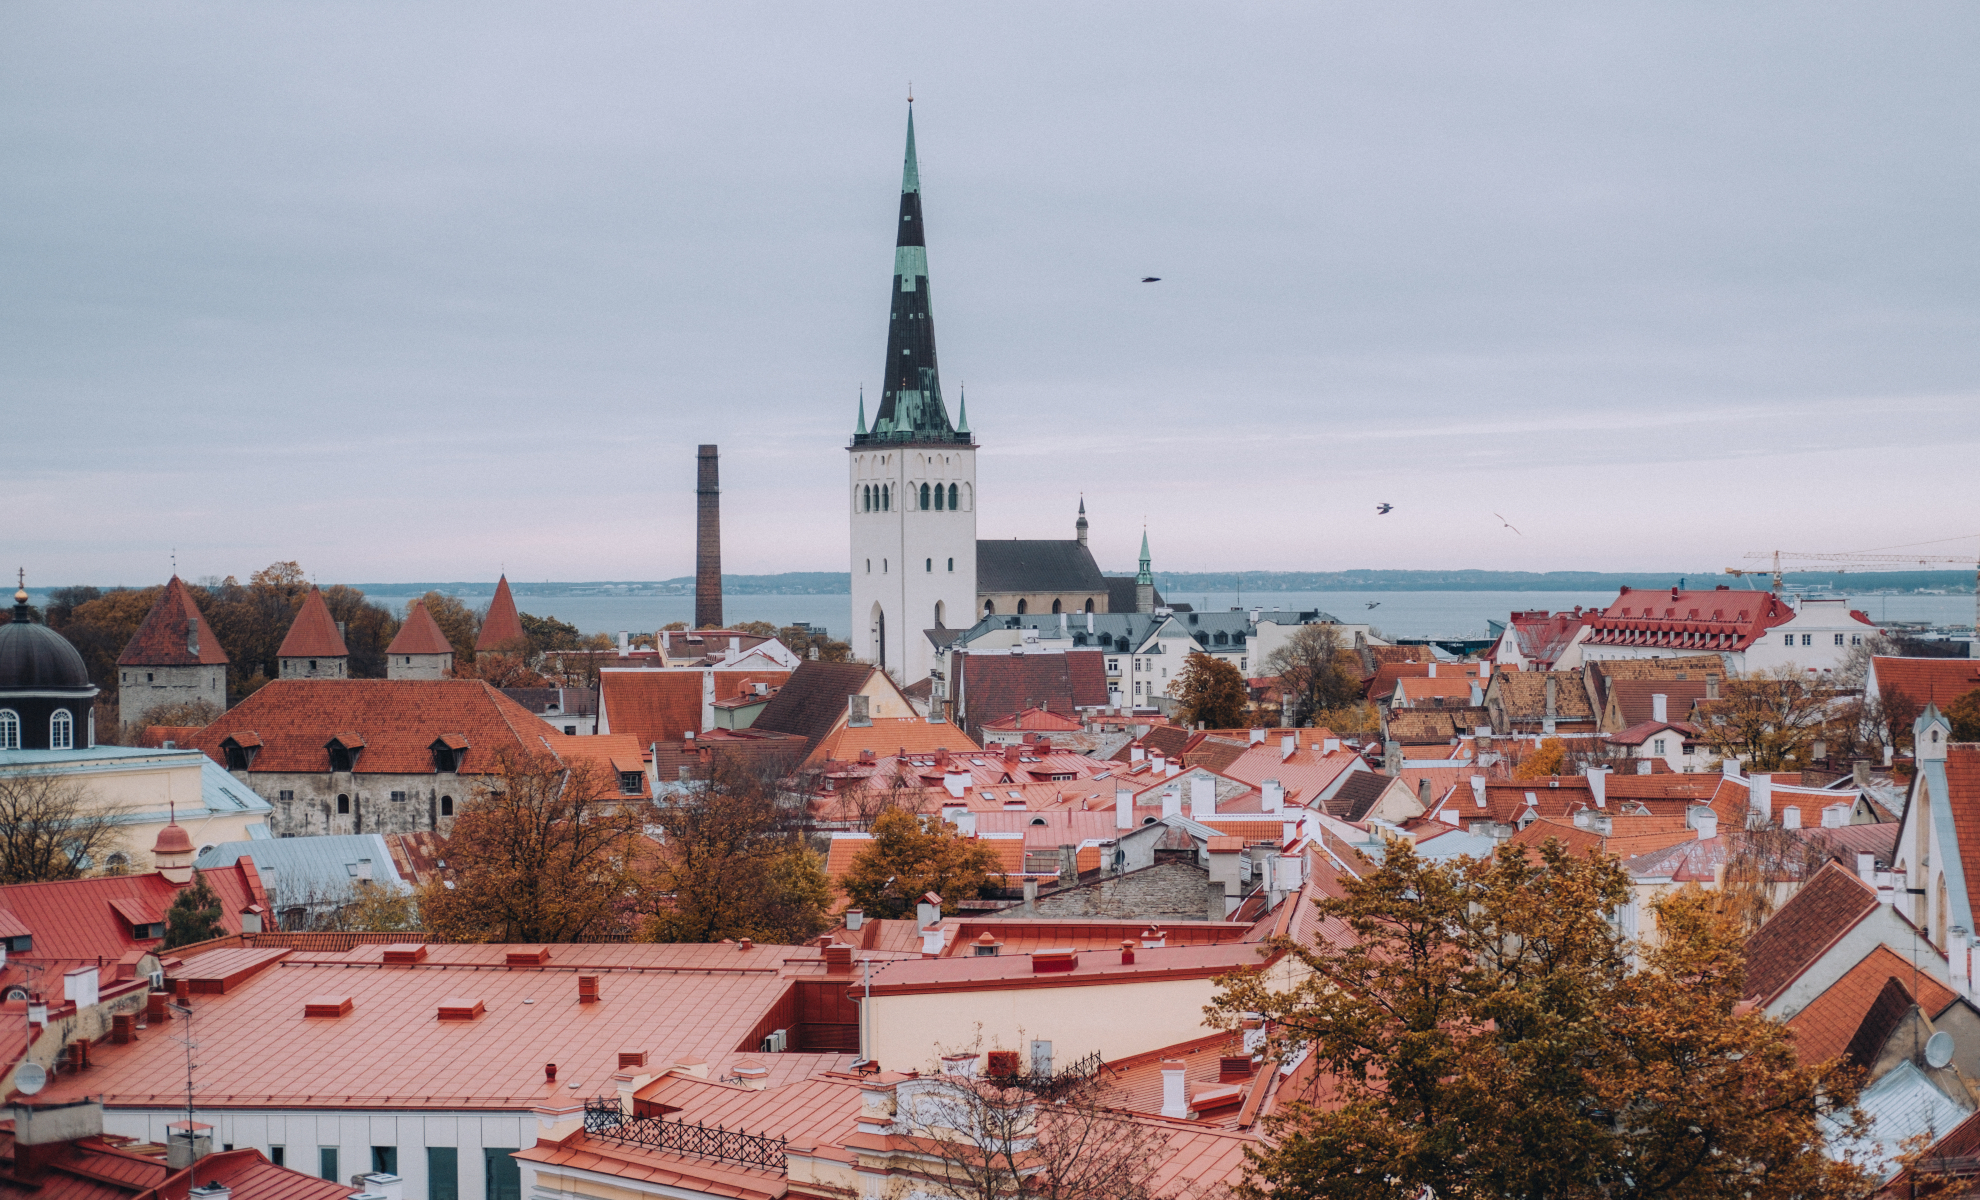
x: 910, y: 91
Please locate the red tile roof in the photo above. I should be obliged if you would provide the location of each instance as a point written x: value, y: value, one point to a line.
x: 1795, y: 937
x: 1035, y: 719
x: 395, y: 720
x: 1937, y: 681
x: 1719, y: 620
x: 812, y: 702
x: 501, y: 627
x: 313, y: 634
x: 87, y: 918
x: 888, y: 736
x: 1000, y: 972
x: 677, y: 1003
x: 1633, y: 697
x: 1543, y: 637
x: 992, y: 686
x: 1826, y: 1026
x: 662, y: 706
x: 168, y: 632
x: 420, y: 634
x: 94, y: 1169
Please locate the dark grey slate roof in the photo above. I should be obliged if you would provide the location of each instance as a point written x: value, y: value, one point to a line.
x: 1120, y: 594
x: 1038, y: 566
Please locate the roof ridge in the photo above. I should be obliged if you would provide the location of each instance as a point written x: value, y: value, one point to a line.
x: 313, y: 633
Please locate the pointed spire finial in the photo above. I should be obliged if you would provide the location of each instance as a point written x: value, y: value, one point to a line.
x: 862, y: 411
x: 962, y: 408
x: 910, y: 169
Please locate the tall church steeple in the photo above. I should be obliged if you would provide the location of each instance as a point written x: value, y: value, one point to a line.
x: 911, y: 407
x: 1144, y: 581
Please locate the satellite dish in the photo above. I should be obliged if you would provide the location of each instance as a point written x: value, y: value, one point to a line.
x: 1938, y: 1049
x: 31, y: 1078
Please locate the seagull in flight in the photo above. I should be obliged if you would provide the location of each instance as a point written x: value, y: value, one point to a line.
x: 1507, y: 524
x: 1151, y: 279
x: 1374, y: 604
x: 1382, y: 510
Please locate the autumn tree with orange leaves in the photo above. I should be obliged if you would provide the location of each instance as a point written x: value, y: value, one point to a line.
x: 542, y: 851
x: 1485, y: 1035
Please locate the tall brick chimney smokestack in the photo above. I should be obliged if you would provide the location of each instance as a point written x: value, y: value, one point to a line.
x: 707, y: 542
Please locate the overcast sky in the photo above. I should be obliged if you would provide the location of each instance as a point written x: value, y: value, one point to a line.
x: 423, y: 291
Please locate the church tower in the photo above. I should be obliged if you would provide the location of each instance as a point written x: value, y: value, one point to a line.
x: 913, y: 478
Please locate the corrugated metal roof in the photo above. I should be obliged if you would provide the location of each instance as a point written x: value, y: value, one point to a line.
x: 308, y: 870
x: 1903, y: 1104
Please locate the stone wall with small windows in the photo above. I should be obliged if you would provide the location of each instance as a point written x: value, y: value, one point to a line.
x: 142, y: 689
x: 310, y: 803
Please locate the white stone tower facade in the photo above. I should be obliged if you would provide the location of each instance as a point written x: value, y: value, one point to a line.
x: 913, y: 478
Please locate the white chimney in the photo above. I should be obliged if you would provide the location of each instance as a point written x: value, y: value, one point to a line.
x: 1274, y: 795
x: 1760, y: 798
x: 956, y: 783
x: 735, y: 647
x: 1835, y: 816
x: 1156, y: 760
x: 1089, y: 620
x: 1731, y: 768
x: 1478, y: 791
x: 1790, y: 817
x: 965, y: 823
x: 392, y: 1187
x: 1175, y: 1099
x: 1123, y: 808
x: 1659, y: 707
x: 1202, y: 797
x: 1172, y: 802
x: 1957, y: 946
x: 1598, y: 785
x: 1866, y: 868
x: 1708, y: 825
x: 1287, y: 745
x: 931, y: 940
x: 1255, y: 738
x: 1136, y: 753
x: 1330, y: 745
x: 1172, y: 770
x: 625, y: 644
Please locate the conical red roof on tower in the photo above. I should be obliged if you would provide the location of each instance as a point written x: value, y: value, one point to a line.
x: 313, y: 634
x: 420, y: 634
x: 173, y: 634
x: 501, y: 627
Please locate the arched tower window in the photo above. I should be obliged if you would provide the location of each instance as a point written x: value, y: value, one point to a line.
x: 10, y: 729
x: 989, y: 608
x: 940, y: 612
x: 886, y: 497
x: 1021, y: 607
x: 952, y: 495
x: 61, y: 730
x: 938, y: 498
x: 446, y: 806
x: 924, y: 495
x: 928, y: 566
x: 1055, y: 606
x: 1089, y: 604
x: 952, y: 564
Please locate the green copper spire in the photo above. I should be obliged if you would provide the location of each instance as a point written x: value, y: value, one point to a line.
x: 1146, y: 576
x: 862, y: 412
x: 910, y: 172
x: 962, y: 411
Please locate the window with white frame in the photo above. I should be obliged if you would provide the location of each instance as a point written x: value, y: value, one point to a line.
x: 61, y: 730
x: 1790, y: 639
x: 1839, y: 640
x: 1808, y: 639
x: 1657, y: 746
x: 10, y: 729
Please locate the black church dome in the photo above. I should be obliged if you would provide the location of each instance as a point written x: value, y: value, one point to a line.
x: 36, y: 658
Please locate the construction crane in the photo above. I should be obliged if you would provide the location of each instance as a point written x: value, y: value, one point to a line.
x: 1843, y: 562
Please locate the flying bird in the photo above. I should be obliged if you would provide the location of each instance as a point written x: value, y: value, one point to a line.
x: 1507, y: 524
x: 1382, y: 510
x: 1374, y: 604
x: 1151, y: 279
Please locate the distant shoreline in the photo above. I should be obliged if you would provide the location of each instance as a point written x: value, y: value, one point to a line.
x: 838, y: 583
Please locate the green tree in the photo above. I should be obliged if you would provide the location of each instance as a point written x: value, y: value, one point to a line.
x: 734, y: 864
x: 194, y: 915
x: 1964, y: 713
x: 1486, y: 1035
x: 1210, y: 690
x: 911, y: 856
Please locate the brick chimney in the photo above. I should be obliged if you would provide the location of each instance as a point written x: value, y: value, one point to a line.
x: 707, y: 541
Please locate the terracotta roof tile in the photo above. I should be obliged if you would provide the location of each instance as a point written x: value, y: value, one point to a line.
x: 420, y: 634
x: 1927, y: 680
x: 501, y: 627
x: 890, y: 735
x: 1035, y: 719
x: 1720, y: 620
x: 93, y: 1169
x: 395, y: 720
x: 313, y: 634
x: 812, y: 701
x: 1802, y: 930
x: 663, y: 706
x: 1522, y: 695
x: 1831, y: 1021
x: 170, y: 631
x: 87, y: 918
x: 993, y: 686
